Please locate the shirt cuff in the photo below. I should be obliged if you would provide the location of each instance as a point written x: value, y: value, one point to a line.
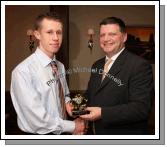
x: 67, y: 99
x: 69, y: 126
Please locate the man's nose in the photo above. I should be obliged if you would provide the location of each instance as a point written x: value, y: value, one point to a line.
x: 107, y: 38
x: 55, y: 36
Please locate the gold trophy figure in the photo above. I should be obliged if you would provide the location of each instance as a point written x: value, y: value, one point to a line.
x: 79, y: 103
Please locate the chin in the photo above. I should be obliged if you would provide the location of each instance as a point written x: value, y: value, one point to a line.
x: 55, y: 50
x: 108, y: 50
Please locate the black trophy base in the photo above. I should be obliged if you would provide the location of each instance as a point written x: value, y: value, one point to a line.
x: 78, y: 113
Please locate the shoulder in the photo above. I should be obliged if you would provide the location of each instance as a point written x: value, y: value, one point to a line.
x: 135, y: 59
x: 98, y: 62
x: 136, y: 64
x: 25, y: 65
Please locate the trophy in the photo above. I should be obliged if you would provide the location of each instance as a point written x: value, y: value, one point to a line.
x: 79, y: 103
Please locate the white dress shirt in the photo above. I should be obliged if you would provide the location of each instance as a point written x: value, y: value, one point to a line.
x: 35, y: 96
x: 113, y: 58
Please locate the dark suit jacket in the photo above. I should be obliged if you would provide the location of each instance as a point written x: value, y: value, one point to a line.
x: 124, y: 95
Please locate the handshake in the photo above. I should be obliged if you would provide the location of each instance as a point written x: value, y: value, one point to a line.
x: 81, y: 123
x: 75, y: 108
x: 81, y: 127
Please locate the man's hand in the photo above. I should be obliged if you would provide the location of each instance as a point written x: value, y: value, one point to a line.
x: 94, y: 114
x: 79, y: 127
x: 69, y: 108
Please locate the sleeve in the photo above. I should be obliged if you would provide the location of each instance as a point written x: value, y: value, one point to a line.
x: 30, y: 109
x: 139, y: 101
x: 66, y: 89
x: 67, y: 93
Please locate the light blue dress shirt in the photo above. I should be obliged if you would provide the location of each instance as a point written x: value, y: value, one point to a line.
x: 35, y: 96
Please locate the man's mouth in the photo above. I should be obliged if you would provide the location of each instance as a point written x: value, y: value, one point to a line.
x: 108, y: 44
x: 55, y: 44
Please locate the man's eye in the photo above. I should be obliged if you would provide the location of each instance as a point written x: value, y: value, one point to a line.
x: 112, y: 34
x: 101, y: 35
x: 59, y: 32
x: 49, y: 32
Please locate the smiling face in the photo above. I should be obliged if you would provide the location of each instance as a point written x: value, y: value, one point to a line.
x: 50, y: 35
x: 111, y: 39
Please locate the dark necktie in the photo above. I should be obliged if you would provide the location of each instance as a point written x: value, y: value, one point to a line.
x: 61, y: 93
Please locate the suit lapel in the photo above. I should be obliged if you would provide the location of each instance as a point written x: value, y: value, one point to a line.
x: 99, y: 76
x: 115, y: 69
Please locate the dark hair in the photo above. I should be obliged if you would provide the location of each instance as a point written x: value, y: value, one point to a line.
x: 48, y: 15
x: 114, y: 20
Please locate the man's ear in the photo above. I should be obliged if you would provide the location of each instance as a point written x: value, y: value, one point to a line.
x: 125, y: 37
x: 37, y: 35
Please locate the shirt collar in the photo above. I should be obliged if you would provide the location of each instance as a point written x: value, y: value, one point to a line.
x: 113, y: 58
x: 44, y: 59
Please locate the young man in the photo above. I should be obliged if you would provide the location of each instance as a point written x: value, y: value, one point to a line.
x: 119, y: 94
x: 38, y: 87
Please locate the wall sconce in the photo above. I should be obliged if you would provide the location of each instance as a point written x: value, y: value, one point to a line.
x: 90, y: 41
x: 31, y: 43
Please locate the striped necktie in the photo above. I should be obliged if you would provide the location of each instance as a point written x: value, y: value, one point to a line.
x: 106, y: 68
x: 61, y: 92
